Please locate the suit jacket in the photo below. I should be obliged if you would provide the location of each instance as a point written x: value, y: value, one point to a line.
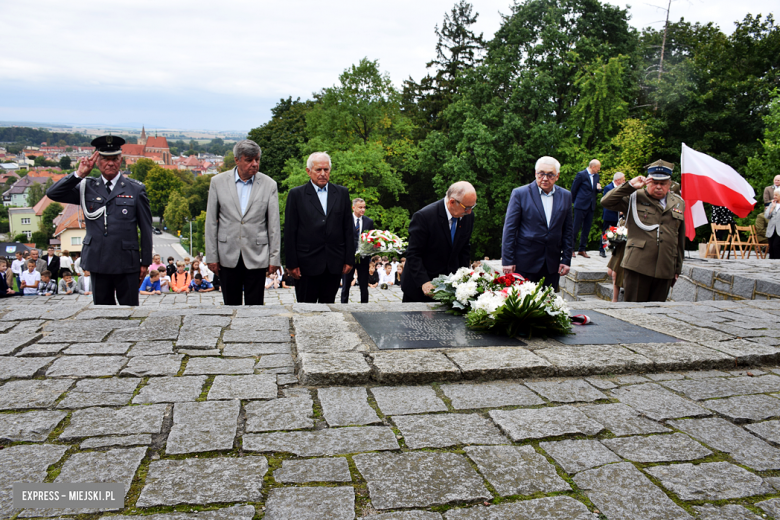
x: 314, y: 241
x: 255, y: 235
x: 769, y: 194
x: 41, y: 265
x: 53, y: 266
x: 583, y: 192
x: 431, y: 252
x: 773, y: 220
x: 528, y: 243
x: 368, y: 225
x: 111, y: 247
x: 609, y: 215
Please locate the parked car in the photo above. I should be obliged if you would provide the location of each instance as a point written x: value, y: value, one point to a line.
x: 157, y: 231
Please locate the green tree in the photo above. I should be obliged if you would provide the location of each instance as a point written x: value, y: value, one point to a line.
x: 160, y: 185
x: 34, y: 194
x: 141, y: 169
x: 65, y: 162
x: 198, y: 194
x: 21, y: 237
x: 228, y: 163
x: 40, y: 239
x: 177, y: 212
x: 764, y: 165
x: 46, y: 225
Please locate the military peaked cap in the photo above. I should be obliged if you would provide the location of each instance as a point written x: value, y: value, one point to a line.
x: 108, y: 144
x: 660, y: 170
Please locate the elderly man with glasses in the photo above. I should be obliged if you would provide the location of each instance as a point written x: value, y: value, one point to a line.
x: 538, y: 238
x: 439, y: 241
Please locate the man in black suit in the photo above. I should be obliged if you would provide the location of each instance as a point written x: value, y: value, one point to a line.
x: 439, y: 241
x: 362, y: 224
x: 318, y: 233
x: 583, y: 195
x: 53, y: 264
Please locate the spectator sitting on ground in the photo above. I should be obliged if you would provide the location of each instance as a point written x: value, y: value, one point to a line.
x: 84, y: 283
x: 165, y: 280
x: 47, y: 287
x: 171, y: 267
x: 198, y: 284
x: 386, y: 276
x: 180, y: 280
x: 67, y: 285
x: 271, y: 281
x: 31, y: 278
x: 151, y: 284
x: 288, y: 282
x: 373, y: 276
x: 156, y: 263
x: 5, y: 290
x: 199, y: 267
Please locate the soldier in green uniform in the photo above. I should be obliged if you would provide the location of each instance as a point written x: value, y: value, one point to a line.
x: 656, y: 233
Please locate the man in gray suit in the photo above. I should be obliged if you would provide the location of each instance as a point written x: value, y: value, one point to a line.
x: 243, y: 237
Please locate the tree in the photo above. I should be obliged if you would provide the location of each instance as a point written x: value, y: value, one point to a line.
x: 141, y: 169
x: 34, y: 194
x: 40, y: 239
x: 228, y: 163
x: 65, y: 162
x: 764, y: 165
x: 46, y: 225
x: 21, y: 237
x: 198, y: 194
x: 160, y: 185
x: 177, y: 212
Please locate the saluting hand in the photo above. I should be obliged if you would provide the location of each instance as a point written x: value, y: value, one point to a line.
x: 639, y: 182
x: 86, y: 165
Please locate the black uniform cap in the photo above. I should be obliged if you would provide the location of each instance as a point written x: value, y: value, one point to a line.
x: 108, y: 144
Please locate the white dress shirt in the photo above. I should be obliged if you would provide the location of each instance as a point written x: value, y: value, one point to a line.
x: 547, y: 203
x: 389, y: 279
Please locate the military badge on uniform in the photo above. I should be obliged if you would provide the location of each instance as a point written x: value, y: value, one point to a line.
x: 124, y: 211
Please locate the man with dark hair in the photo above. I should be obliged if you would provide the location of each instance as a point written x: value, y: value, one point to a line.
x: 52, y: 263
x: 583, y: 194
x: 362, y: 224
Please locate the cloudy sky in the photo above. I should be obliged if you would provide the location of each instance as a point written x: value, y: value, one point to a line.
x: 222, y: 65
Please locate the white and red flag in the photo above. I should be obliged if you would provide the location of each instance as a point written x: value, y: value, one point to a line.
x: 705, y: 179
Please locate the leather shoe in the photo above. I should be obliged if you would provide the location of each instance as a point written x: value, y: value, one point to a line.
x: 574, y: 255
x: 583, y: 253
x: 602, y: 254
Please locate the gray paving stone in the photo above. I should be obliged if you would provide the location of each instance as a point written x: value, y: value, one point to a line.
x: 566, y: 391
x: 311, y: 503
x: 337, y: 368
x: 261, y: 312
x: 601, y: 383
x: 42, y: 349
x: 500, y: 362
x: 275, y: 361
x: 204, y: 426
x: 578, y: 455
x: 226, y: 513
x: 657, y: 448
x: 170, y: 390
x: 769, y: 430
x: 218, y: 366
x: 256, y: 336
x: 544, y: 422
x: 93, y: 422
x: 442, y: 430
x: 549, y: 508
x: 704, y: 374
x: 412, y: 366
x: 771, y: 506
x: 631, y: 379
x: 419, y: 479
x: 100, y: 392
x: 679, y: 356
x: 151, y: 348
x: 664, y: 376
x: 344, y: 406
x: 310, y: 307
x: 104, y: 312
x: 746, y: 407
x: 467, y: 396
x: 656, y: 402
x: 198, y: 353
x: 202, y: 338
x: 292, y: 413
x: 268, y: 323
x: 24, y: 463
x: 198, y: 322
x: 203, y: 481
x: 167, y: 365
x: 19, y: 395
x: 117, y: 440
x: 408, y: 515
x: 29, y: 426
x: 622, y: 492
x: 16, y: 367
x: 92, y: 335
x: 773, y: 481
x: 594, y: 359
x: 725, y: 387
x: 90, y: 349
x: 747, y: 352
x: 516, y: 470
x: 726, y: 437
x: 331, y: 441
x: 727, y: 512
x: 262, y: 386
x: 286, y: 379
x: 10, y: 343
x: 404, y: 400
x: 709, y: 481
x: 86, y: 366
x: 314, y: 470
x: 255, y: 349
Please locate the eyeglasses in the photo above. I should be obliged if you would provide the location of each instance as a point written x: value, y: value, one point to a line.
x: 547, y: 175
x: 466, y: 208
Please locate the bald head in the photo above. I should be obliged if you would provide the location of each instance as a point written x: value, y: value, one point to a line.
x: 461, y: 199
x: 595, y: 166
x: 777, y: 180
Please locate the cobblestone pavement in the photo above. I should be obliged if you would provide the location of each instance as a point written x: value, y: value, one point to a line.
x: 197, y: 410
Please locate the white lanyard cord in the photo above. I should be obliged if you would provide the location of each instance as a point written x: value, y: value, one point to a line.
x: 91, y: 215
x: 639, y: 224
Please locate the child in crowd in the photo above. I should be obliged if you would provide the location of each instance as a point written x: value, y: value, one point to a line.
x: 151, y: 284
x: 171, y: 267
x: 18, y: 266
x: 30, y: 279
x: 187, y: 264
x: 398, y: 272
x: 386, y: 276
x: 67, y: 285
x: 84, y: 283
x: 373, y: 276
x: 156, y: 263
x: 5, y: 290
x: 165, y: 280
x: 271, y: 281
x: 198, y: 284
x: 47, y: 287
x: 180, y: 280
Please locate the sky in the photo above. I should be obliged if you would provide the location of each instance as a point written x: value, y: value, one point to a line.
x: 223, y: 65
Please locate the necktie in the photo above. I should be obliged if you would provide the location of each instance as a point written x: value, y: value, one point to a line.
x: 108, y: 187
x: 452, y: 229
x: 357, y: 224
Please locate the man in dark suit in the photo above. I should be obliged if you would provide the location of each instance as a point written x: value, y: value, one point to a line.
x: 318, y: 233
x: 115, y: 209
x: 610, y: 217
x: 439, y: 241
x: 52, y: 264
x: 583, y: 193
x: 538, y: 239
x: 362, y: 224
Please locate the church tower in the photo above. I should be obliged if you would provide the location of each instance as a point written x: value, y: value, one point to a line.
x: 142, y: 139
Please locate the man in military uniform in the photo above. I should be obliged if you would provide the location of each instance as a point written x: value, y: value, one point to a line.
x: 115, y: 208
x: 656, y: 233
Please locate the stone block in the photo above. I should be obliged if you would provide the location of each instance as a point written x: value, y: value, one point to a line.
x: 311, y: 503
x: 412, y: 366
x: 682, y: 356
x: 170, y: 390
x: 11, y: 343
x: 117, y: 440
x: 549, y: 508
x: 93, y: 422
x: 709, y: 481
x: 338, y: 368
x: 255, y: 349
x: 703, y: 276
x: 566, y: 391
x: 768, y: 287
x: 656, y: 402
x: 331, y: 441
x: 314, y: 470
x: 769, y: 430
x: 578, y: 455
x: 203, y: 426
x: 744, y: 287
x: 167, y: 365
x: 262, y: 386
x: 442, y: 430
x: 291, y: 413
x: 151, y: 348
x: 345, y: 406
x: 29, y: 426
x: 86, y: 366
x: 19, y: 395
x: 18, y: 368
x: 544, y: 422
x: 657, y: 448
x: 727, y: 512
x: 500, y: 363
x: 490, y: 395
x: 746, y: 407
x: 92, y: 349
x: 24, y: 463
x: 594, y: 359
x: 404, y: 400
x: 219, y: 366
x: 516, y: 470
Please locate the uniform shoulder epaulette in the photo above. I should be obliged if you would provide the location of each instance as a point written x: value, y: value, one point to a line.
x: 136, y: 181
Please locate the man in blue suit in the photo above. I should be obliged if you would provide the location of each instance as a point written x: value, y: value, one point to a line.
x: 538, y: 236
x: 583, y: 193
x: 610, y: 217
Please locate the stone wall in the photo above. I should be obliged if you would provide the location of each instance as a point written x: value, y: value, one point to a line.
x: 728, y: 280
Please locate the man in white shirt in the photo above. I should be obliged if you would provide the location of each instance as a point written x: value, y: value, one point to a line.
x: 387, y: 276
x: 18, y: 266
x: 30, y: 279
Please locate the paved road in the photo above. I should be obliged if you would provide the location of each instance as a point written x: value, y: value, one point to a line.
x: 164, y: 246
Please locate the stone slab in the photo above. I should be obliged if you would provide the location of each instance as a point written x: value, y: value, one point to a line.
x: 405, y: 400
x: 255, y: 336
x: 203, y: 426
x: 566, y: 391
x: 226, y: 513
x: 516, y: 470
x: 199, y: 353
x: 93, y: 422
x: 141, y: 366
x: 490, y: 395
x: 100, y: 392
x: 601, y: 383
x: 408, y: 515
x: 117, y: 440
x: 657, y: 448
x: 412, y: 366
x: 681, y: 356
x: 419, y: 479
x: 42, y: 349
x: 268, y: 323
x: 275, y: 361
x: 578, y: 455
x: 745, y: 408
x: 10, y: 343
x: 292, y: 413
x: 727, y: 512
x: 92, y: 349
x: 549, y: 508
x: 286, y: 379
x: 219, y: 366
x: 151, y: 348
x: 594, y: 359
x: 769, y: 430
x: 255, y: 349
x: 24, y: 463
x: 16, y: 367
x: 747, y: 352
x: 606, y: 330
x: 331, y: 441
x: 203, y: 481
x: 544, y: 422
x: 249, y: 387
x: 29, y: 426
x: 19, y: 395
x: 442, y: 430
x: 500, y: 363
x: 311, y: 503
x: 201, y: 338
x: 86, y: 366
x: 337, y: 368
x: 170, y: 390
x: 345, y: 406
x: 314, y: 470
x: 709, y: 481
x: 771, y: 506
x: 656, y: 402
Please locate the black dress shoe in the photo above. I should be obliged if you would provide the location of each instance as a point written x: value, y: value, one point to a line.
x: 602, y: 254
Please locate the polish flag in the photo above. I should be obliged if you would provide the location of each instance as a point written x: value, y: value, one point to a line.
x: 705, y: 179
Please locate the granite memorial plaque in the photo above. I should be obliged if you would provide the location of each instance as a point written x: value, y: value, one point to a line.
x: 425, y: 329
x: 606, y: 330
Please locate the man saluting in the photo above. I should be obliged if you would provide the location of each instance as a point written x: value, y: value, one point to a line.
x: 115, y: 208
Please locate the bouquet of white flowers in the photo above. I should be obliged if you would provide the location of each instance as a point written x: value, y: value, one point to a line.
x: 458, y: 290
x: 614, y: 235
x: 379, y: 242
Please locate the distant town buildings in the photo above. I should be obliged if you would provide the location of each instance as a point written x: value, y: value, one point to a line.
x: 17, y: 194
x: 154, y: 148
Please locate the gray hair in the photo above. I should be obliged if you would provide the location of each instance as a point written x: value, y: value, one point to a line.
x: 594, y: 162
x: 618, y: 175
x: 459, y: 190
x: 246, y: 148
x: 552, y: 161
x: 355, y: 201
x: 317, y: 155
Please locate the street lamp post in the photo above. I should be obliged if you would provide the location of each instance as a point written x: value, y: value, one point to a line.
x: 190, y: 238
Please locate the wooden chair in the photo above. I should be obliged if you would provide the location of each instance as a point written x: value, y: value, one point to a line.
x: 761, y: 249
x: 717, y: 248
x: 743, y: 246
